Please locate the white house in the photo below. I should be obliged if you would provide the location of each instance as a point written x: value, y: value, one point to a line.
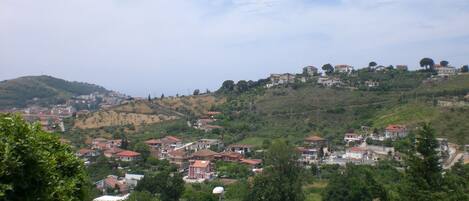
x: 329, y: 81
x: 343, y: 68
x: 355, y: 153
x: 132, y: 179
x: 395, y: 131
x: 352, y: 137
x: 111, y: 198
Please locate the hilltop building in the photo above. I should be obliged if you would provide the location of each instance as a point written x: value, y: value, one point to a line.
x: 310, y: 70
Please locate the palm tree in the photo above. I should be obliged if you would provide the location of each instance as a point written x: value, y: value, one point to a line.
x: 427, y: 63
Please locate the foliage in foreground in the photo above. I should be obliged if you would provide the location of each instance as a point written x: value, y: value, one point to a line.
x: 36, y: 166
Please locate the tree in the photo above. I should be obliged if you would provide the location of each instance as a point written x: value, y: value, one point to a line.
x: 149, y: 97
x: 444, y: 63
x: 143, y: 149
x: 162, y: 96
x: 36, y: 165
x: 282, y: 177
x: 465, y: 69
x: 328, y: 69
x: 372, y: 64
x: 356, y: 183
x: 124, y: 141
x: 427, y: 63
x: 141, y: 196
x: 227, y: 86
x: 196, y: 92
x: 424, y: 173
x: 168, y: 185
x: 242, y: 86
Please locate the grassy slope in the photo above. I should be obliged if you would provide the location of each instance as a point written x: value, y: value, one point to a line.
x: 20, y: 91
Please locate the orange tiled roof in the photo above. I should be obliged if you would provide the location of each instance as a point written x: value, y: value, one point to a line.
x: 204, y: 153
x: 200, y: 164
x: 128, y: 154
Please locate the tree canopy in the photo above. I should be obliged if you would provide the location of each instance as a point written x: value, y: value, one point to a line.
x: 281, y: 179
x: 427, y: 63
x: 36, y: 165
x: 328, y: 69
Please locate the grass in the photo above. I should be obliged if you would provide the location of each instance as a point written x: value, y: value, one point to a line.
x: 411, y: 113
x: 313, y: 191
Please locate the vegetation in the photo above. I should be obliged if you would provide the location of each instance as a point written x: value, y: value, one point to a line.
x: 47, y: 90
x: 36, y: 166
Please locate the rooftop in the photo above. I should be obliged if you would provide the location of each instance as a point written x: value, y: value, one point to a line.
x: 200, y: 164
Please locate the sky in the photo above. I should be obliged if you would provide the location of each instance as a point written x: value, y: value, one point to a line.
x: 142, y: 47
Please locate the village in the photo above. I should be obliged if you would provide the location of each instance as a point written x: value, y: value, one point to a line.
x: 196, y: 159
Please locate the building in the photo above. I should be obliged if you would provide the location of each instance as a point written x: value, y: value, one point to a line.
x: 445, y: 71
x: 128, y: 156
x: 310, y: 70
x: 395, y: 131
x: 132, y: 179
x: 200, y: 169
x: 371, y: 83
x: 279, y: 79
x: 252, y: 163
x: 206, y: 144
x: 179, y: 157
x: 163, y: 146
x: 315, y: 141
x: 329, y: 81
x: 204, y: 154
x: 352, y: 137
x: 402, y: 67
x: 343, y: 68
x: 84, y: 152
x: 109, y: 153
x: 229, y: 156
x: 240, y: 148
x: 355, y: 153
x: 112, y: 183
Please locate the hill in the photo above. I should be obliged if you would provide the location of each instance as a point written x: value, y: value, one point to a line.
x: 42, y: 90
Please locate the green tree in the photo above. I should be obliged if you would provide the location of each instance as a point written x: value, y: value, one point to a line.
x: 35, y: 165
x: 196, y: 92
x: 423, y: 176
x: 427, y: 63
x: 372, y: 64
x: 169, y: 186
x: 444, y: 63
x: 143, y: 149
x: 162, y: 96
x: 328, y: 69
x: 242, y: 86
x: 141, y: 196
x: 282, y: 176
x: 356, y: 183
x: 149, y: 97
x: 227, y: 86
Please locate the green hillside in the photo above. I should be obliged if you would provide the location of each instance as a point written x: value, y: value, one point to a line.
x: 21, y: 91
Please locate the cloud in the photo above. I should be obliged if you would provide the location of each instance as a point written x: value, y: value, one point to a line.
x: 143, y: 46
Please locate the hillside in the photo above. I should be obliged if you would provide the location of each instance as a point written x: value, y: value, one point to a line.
x: 42, y: 90
x: 143, y: 112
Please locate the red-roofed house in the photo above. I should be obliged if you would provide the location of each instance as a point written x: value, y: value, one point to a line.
x: 86, y: 153
x: 229, y: 156
x: 252, y: 163
x: 315, y: 141
x: 343, y: 68
x: 128, y: 155
x: 204, y: 154
x: 200, y: 169
x: 395, y: 131
x: 355, y: 153
x: 179, y: 158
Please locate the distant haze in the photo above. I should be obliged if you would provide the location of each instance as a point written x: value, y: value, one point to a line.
x: 173, y: 46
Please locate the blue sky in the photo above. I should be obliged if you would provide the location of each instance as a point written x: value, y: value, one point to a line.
x: 160, y: 46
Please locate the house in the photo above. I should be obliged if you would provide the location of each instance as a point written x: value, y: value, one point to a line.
x: 343, y: 68
x: 352, y: 137
x: 208, y: 128
x: 355, y: 153
x: 204, y: 154
x: 112, y: 183
x: 445, y: 71
x: 162, y: 146
x: 84, y: 152
x: 329, y: 81
x: 315, y: 141
x: 279, y: 79
x: 212, y: 114
x: 310, y: 70
x: 206, y: 144
x: 252, y: 163
x: 132, y: 179
x: 395, y: 131
x: 229, y: 156
x: 240, y: 148
x: 109, y: 153
x: 200, y: 169
x: 402, y: 67
x: 443, y: 148
x: 371, y: 83
x: 179, y: 157
x: 128, y: 156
